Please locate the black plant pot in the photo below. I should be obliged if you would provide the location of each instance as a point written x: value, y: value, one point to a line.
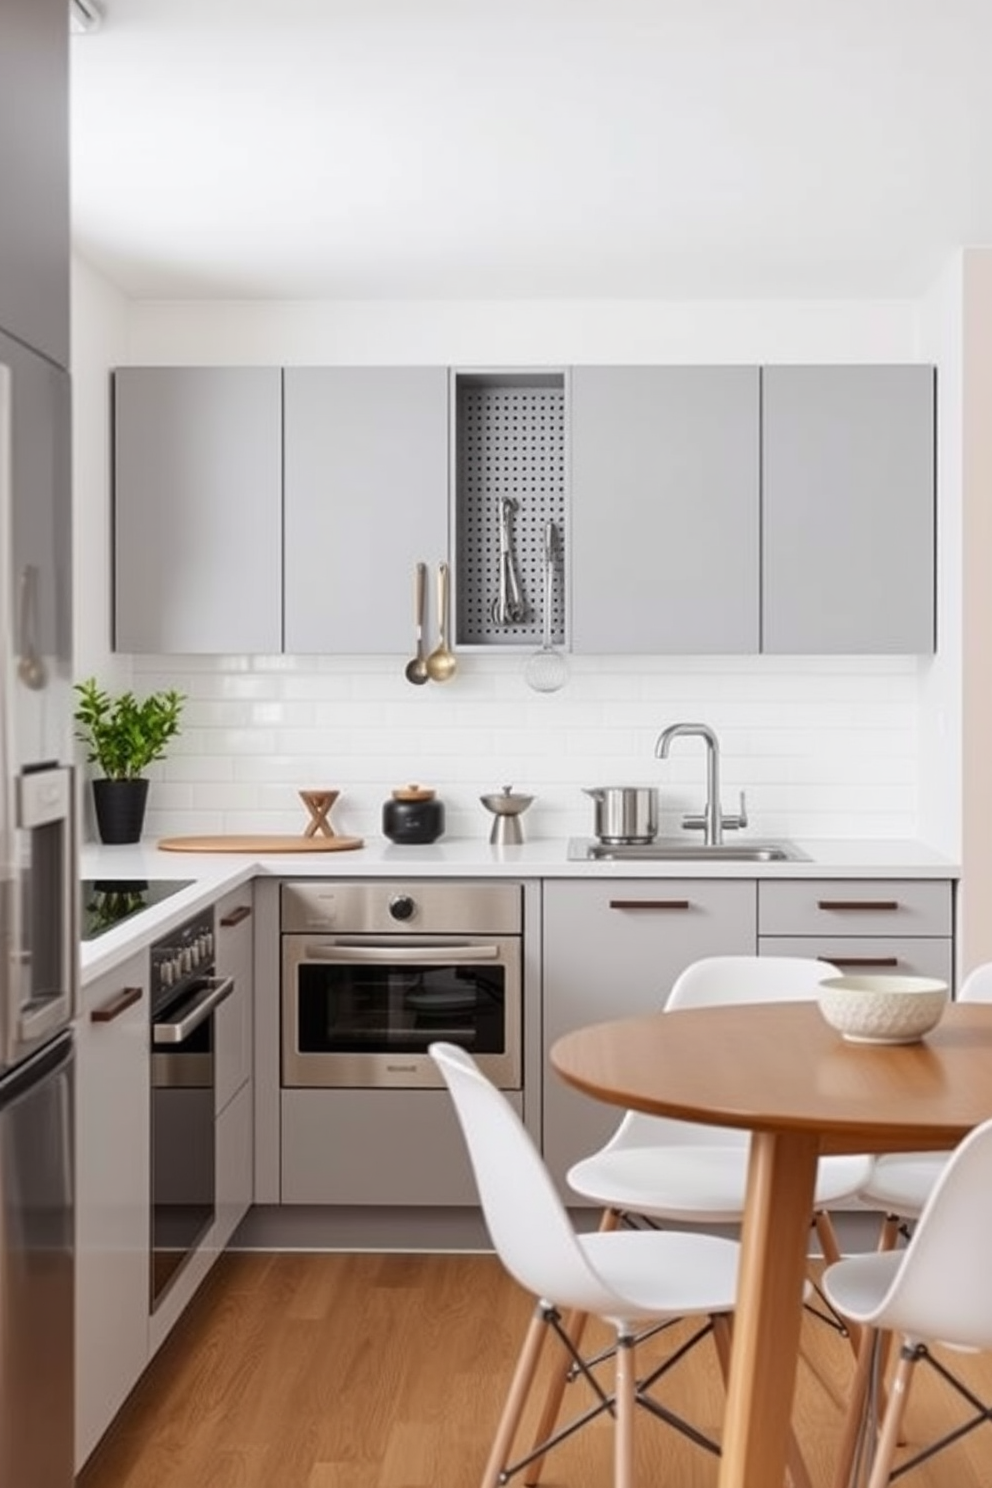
x: 120, y: 809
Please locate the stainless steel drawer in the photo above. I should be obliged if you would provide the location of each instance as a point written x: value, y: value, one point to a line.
x: 855, y: 907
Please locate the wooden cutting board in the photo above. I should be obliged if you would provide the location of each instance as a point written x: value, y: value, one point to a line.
x: 259, y: 842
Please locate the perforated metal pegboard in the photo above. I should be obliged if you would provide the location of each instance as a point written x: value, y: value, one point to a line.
x: 510, y: 441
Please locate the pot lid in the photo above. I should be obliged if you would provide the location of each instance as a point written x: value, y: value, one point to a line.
x: 413, y: 793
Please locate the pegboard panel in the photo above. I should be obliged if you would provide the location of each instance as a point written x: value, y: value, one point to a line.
x: 509, y: 443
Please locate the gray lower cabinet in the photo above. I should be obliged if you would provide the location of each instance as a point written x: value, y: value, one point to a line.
x: 366, y: 498
x: 34, y: 175
x: 369, y: 1147
x: 234, y: 1055
x: 864, y: 927
x: 848, y: 509
x: 198, y: 509
x: 612, y: 950
x: 664, y: 509
x: 113, y: 1182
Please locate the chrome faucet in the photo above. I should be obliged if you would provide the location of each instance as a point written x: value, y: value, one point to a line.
x: 712, y: 821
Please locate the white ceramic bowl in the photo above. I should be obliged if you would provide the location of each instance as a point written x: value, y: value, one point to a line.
x: 882, y: 1009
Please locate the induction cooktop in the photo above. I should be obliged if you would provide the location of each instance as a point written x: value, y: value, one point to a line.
x: 107, y: 902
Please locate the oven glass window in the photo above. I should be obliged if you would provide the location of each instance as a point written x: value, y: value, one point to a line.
x: 401, y: 1009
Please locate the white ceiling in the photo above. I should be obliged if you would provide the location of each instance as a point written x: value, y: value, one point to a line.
x: 356, y: 149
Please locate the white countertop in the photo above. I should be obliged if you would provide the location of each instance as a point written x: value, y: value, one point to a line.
x: 215, y: 874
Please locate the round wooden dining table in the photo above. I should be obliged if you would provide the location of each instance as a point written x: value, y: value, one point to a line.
x: 778, y: 1071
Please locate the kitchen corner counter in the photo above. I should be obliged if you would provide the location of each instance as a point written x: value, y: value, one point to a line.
x: 214, y: 874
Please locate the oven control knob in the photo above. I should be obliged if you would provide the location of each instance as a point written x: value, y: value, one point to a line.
x: 402, y: 907
x: 166, y: 973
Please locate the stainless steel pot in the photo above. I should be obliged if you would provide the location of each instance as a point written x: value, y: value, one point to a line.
x: 625, y: 813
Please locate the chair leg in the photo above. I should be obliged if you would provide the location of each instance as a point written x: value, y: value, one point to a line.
x: 892, y: 1424
x: 854, y: 1421
x: 889, y: 1233
x: 573, y: 1327
x: 523, y: 1378
x: 623, y: 1444
x: 827, y: 1237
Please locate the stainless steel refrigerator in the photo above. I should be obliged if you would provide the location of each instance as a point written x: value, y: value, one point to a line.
x: 38, y: 939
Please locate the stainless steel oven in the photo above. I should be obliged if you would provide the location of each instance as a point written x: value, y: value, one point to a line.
x: 374, y: 972
x: 185, y: 995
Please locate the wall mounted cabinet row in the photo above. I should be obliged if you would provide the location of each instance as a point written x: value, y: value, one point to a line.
x: 695, y: 509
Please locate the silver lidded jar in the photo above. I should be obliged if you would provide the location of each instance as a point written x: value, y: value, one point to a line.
x: 413, y: 815
x: 625, y: 814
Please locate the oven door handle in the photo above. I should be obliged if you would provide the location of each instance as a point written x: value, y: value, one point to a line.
x: 215, y: 991
x: 395, y: 952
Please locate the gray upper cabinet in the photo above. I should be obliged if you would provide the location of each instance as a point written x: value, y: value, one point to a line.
x: 198, y: 509
x: 848, y: 509
x: 34, y: 174
x: 366, y: 497
x: 664, y: 509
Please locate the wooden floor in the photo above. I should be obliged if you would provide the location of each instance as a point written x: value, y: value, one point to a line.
x: 307, y: 1370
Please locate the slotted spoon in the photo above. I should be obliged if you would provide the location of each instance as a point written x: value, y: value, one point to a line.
x: 547, y: 669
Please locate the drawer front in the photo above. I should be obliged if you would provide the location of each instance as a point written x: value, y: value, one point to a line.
x: 869, y: 955
x: 850, y: 907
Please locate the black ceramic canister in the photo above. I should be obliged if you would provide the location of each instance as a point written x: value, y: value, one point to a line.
x: 413, y: 815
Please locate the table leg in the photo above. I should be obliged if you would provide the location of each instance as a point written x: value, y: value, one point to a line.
x: 774, y: 1239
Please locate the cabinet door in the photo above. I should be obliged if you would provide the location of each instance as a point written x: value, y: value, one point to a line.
x: 393, y: 1147
x: 366, y: 492
x: 198, y: 509
x: 664, y: 482
x: 613, y: 950
x: 34, y: 175
x: 235, y: 1166
x: 113, y: 1186
x: 234, y: 1021
x: 848, y: 509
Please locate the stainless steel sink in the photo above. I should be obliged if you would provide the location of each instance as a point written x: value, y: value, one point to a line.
x: 674, y: 850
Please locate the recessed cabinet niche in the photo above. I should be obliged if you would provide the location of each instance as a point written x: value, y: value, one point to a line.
x: 509, y: 483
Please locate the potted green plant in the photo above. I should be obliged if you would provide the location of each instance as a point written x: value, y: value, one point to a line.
x: 122, y: 737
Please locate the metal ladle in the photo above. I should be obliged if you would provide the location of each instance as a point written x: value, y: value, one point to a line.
x: 441, y: 662
x: 416, y: 668
x: 547, y: 669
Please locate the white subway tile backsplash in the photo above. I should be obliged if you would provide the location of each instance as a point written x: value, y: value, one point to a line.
x: 823, y: 746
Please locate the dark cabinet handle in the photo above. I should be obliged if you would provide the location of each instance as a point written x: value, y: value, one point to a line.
x: 885, y: 904
x: 649, y: 904
x: 861, y: 960
x: 114, y: 1006
x: 236, y: 916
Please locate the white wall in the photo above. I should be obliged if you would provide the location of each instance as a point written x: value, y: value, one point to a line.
x: 826, y: 747
x: 942, y: 342
x: 977, y: 608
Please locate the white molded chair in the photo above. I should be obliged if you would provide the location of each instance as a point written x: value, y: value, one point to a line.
x: 936, y: 1291
x: 665, y: 1169
x: 630, y: 1279
x: 901, y: 1182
